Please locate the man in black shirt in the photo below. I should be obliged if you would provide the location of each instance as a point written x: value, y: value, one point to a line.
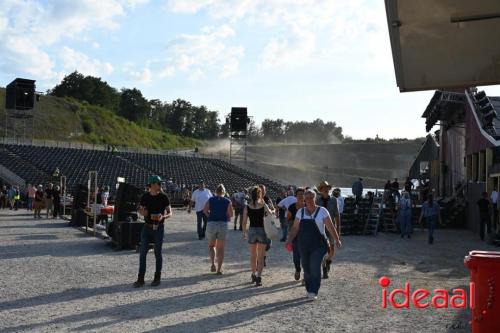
x: 155, y: 207
x: 409, y: 185
x: 49, y: 197
x: 388, y: 185
x: 484, y: 214
x: 395, y: 189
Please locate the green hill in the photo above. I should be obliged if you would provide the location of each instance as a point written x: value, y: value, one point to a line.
x: 66, y: 119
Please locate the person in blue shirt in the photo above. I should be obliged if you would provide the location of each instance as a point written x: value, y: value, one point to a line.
x: 219, y: 211
x: 431, y: 213
x: 404, y: 207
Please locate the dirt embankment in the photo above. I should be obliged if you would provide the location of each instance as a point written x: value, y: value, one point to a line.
x: 340, y: 164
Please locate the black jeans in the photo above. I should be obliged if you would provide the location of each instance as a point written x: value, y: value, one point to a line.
x: 148, y: 234
x: 484, y: 220
x: 201, y: 223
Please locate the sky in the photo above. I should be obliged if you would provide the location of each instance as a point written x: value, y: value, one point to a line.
x: 289, y: 59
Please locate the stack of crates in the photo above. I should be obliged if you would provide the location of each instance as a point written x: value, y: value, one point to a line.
x: 349, y: 216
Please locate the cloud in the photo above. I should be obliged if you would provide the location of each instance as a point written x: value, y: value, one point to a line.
x: 298, y: 49
x: 135, y: 3
x: 74, y: 60
x: 19, y: 54
x: 200, y: 54
x: 142, y: 77
x: 60, y: 19
x: 31, y: 30
x: 187, y: 6
x: 304, y: 31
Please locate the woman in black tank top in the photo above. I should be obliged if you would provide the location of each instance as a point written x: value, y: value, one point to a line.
x: 255, y: 211
x: 256, y: 217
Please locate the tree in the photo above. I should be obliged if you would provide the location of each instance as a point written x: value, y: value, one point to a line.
x: 88, y: 88
x: 273, y: 129
x: 176, y: 117
x: 253, y: 131
x: 133, y: 105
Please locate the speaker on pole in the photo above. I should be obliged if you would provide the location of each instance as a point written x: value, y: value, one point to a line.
x: 239, y: 119
x: 20, y: 95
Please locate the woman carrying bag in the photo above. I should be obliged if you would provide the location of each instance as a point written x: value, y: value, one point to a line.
x: 255, y: 212
x: 310, y: 224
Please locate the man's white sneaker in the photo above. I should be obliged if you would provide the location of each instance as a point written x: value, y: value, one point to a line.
x: 312, y: 296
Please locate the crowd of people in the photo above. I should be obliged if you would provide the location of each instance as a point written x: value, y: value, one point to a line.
x: 34, y: 198
x: 10, y: 197
x: 309, y: 218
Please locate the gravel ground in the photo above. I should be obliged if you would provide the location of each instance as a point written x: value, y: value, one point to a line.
x: 54, y: 278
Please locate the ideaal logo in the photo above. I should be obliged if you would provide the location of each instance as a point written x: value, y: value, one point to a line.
x: 439, y: 299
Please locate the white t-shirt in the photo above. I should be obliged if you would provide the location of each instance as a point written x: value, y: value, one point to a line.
x: 285, y: 203
x: 320, y: 218
x: 200, y: 198
x: 494, y: 197
x: 340, y: 202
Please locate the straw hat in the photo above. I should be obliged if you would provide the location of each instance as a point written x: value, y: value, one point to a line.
x: 324, y: 184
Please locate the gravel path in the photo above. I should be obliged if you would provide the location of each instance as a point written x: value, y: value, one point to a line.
x: 54, y: 278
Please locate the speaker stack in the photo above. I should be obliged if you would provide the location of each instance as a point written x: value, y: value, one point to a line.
x: 78, y: 216
x: 125, y: 229
x: 239, y: 119
x: 20, y: 95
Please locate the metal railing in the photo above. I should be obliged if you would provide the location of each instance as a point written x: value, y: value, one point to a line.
x: 11, y: 178
x: 85, y: 146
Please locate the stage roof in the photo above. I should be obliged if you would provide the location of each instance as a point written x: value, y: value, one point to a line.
x: 443, y: 44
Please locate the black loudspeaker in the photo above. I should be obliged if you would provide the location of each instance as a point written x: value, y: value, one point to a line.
x: 126, y: 234
x: 239, y: 119
x: 127, y: 202
x: 80, y: 196
x: 79, y: 218
x: 20, y: 94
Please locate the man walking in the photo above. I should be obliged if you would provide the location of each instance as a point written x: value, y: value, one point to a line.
x: 11, y: 195
x: 155, y: 207
x: 200, y: 198
x: 49, y: 196
x: 484, y: 215
x: 357, y: 189
x: 31, y: 196
x: 494, y: 201
x: 395, y: 190
x: 283, y: 205
x: 330, y: 203
x: 404, y: 208
x: 239, y: 205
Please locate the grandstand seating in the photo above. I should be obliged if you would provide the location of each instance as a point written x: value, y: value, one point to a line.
x: 36, y: 164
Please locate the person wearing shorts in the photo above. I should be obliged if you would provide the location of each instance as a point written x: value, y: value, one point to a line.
x: 256, y: 235
x: 219, y: 211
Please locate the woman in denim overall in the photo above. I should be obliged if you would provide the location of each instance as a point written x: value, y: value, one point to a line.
x: 312, y: 240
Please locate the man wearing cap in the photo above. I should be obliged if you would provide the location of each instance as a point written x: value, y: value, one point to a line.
x: 331, y: 204
x: 155, y: 207
x: 200, y: 198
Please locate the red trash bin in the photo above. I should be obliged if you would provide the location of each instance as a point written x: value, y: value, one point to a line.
x: 485, y: 273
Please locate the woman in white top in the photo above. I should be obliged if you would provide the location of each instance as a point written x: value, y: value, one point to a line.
x: 310, y: 223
